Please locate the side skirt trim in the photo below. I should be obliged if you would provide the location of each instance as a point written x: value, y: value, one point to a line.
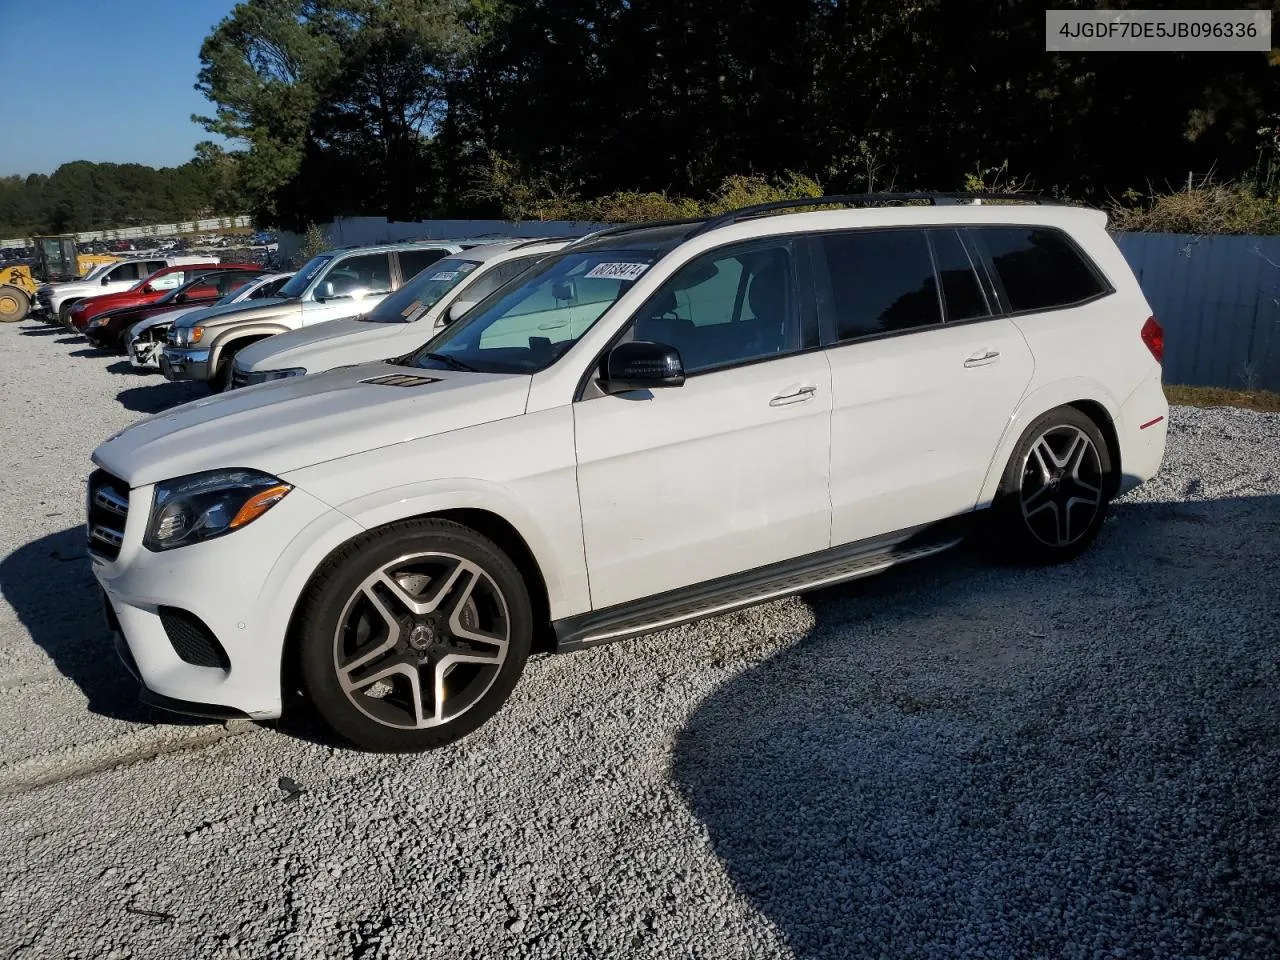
x: 686, y: 604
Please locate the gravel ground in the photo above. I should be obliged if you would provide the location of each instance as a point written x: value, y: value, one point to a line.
x: 950, y: 760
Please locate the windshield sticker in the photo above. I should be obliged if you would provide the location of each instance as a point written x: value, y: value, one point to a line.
x: 416, y: 305
x: 617, y: 271
x: 443, y: 275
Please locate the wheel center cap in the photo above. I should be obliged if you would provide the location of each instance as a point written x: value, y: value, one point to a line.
x: 1055, y: 481
x: 422, y: 636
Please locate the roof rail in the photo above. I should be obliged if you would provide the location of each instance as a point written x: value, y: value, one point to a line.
x: 531, y: 241
x: 863, y: 200
x: 628, y: 227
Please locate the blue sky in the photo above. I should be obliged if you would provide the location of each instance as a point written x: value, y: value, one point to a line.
x: 104, y: 80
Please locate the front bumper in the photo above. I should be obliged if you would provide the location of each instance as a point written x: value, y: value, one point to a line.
x: 144, y: 354
x: 242, y: 587
x: 182, y: 363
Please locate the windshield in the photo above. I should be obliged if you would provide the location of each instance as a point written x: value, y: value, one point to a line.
x: 421, y: 293
x: 98, y: 271
x: 297, y: 286
x: 531, y: 322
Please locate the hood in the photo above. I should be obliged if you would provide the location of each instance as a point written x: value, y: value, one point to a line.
x: 163, y: 317
x: 247, y: 310
x: 290, y: 424
x: 334, y: 343
x: 115, y: 301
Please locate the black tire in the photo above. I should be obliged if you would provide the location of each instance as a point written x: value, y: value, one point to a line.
x: 338, y: 642
x: 14, y: 304
x: 1055, y: 491
x: 64, y: 316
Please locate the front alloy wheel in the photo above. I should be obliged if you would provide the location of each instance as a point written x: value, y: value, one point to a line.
x: 421, y: 640
x: 412, y: 636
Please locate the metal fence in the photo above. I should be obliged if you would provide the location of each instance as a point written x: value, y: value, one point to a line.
x: 151, y: 230
x: 1218, y: 298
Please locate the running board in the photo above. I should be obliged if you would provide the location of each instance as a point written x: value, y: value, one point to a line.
x: 830, y: 567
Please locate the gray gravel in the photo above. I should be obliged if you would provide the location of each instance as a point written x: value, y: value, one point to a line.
x: 951, y: 760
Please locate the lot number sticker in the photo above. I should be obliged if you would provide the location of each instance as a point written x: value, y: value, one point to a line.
x: 618, y: 271
x: 443, y: 275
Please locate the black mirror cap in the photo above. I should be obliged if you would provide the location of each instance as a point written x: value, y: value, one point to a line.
x: 642, y: 365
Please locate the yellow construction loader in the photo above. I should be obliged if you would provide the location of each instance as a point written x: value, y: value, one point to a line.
x: 55, y: 259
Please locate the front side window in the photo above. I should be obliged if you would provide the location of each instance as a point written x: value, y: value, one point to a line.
x: 170, y: 281
x: 1039, y: 268
x: 881, y: 281
x: 421, y: 293
x: 413, y: 262
x: 724, y: 309
x: 130, y: 271
x: 528, y: 325
x: 360, y: 276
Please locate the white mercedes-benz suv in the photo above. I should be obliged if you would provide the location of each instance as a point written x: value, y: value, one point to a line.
x: 653, y: 425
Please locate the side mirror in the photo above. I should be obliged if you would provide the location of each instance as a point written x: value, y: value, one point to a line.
x: 325, y: 291
x: 457, y: 310
x: 105, y: 281
x: 642, y: 365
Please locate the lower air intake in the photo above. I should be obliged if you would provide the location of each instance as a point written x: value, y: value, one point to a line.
x: 192, y: 641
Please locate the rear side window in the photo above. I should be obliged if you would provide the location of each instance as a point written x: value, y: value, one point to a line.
x: 413, y: 262
x: 961, y: 291
x: 881, y: 281
x: 1040, y: 269
x: 132, y: 271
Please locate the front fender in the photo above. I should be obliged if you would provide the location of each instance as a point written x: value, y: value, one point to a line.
x: 555, y: 542
x: 1039, y: 401
x: 237, y: 336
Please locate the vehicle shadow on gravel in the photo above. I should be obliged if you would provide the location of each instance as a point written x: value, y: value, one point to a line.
x: 966, y: 760
x: 41, y: 331
x: 50, y: 586
x: 92, y: 351
x: 160, y: 395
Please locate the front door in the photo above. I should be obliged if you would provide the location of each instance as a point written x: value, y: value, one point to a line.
x: 729, y: 471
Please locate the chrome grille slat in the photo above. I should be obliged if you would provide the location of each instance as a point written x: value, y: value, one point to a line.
x: 108, y: 502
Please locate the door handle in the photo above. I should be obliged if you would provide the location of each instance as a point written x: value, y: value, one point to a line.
x: 796, y: 393
x: 982, y: 358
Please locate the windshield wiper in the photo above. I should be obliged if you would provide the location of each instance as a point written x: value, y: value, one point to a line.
x: 451, y: 363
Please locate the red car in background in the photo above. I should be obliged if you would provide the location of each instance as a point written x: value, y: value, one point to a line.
x: 147, y: 291
x: 108, y: 329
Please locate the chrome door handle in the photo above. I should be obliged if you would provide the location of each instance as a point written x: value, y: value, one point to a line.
x: 983, y: 358
x: 794, y: 394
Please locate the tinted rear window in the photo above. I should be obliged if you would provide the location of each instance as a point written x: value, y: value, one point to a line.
x: 881, y: 281
x: 960, y: 287
x: 1040, y: 269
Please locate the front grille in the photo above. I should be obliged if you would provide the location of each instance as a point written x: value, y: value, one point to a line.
x: 108, y: 510
x: 192, y: 641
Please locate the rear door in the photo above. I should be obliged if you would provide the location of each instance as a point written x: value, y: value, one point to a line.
x: 925, y: 375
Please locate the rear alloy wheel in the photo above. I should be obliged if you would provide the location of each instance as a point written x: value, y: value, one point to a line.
x: 1055, y: 491
x: 413, y: 637
x: 14, y: 304
x: 64, y: 317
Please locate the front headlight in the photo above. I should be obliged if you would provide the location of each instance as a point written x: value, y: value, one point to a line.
x: 98, y: 321
x: 187, y: 336
x: 203, y: 506
x: 266, y: 376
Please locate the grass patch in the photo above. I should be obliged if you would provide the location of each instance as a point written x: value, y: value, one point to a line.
x: 1263, y: 400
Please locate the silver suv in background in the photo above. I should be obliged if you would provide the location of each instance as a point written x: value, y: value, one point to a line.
x: 402, y: 322
x: 332, y: 286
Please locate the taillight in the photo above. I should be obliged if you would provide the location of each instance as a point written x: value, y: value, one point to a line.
x: 1153, y: 337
